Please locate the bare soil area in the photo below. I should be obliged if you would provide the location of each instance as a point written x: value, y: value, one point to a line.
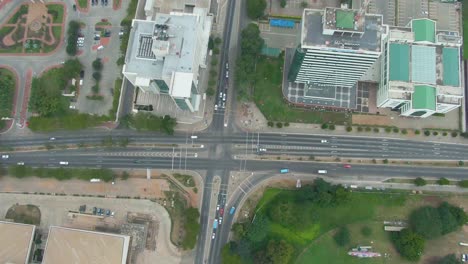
x: 26, y: 214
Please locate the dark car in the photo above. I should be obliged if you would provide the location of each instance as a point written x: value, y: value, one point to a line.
x: 105, y: 2
x: 82, y: 74
x: 108, y: 212
x: 74, y: 7
x: 94, y: 210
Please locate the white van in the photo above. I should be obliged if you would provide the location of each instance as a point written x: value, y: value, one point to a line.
x: 322, y: 171
x: 194, y: 137
x: 64, y: 163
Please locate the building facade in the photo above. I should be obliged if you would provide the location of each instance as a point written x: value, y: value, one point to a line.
x: 165, y: 54
x: 420, y: 70
x: 338, y: 46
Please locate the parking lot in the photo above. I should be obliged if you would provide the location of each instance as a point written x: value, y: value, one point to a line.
x: 101, y: 18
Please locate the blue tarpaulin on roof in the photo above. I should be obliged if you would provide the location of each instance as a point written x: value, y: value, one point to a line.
x: 282, y: 23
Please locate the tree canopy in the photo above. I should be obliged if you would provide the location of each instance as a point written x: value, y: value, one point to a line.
x: 342, y: 237
x: 408, y: 243
x: 450, y: 259
x: 256, y: 8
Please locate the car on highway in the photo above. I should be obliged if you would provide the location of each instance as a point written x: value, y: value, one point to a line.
x: 227, y: 66
x: 233, y: 209
x: 221, y: 211
x: 63, y: 162
x: 220, y: 220
x: 324, y: 141
x: 52, y: 138
x: 224, y: 105
x: 220, y: 95
x: 284, y: 170
x: 5, y: 156
x: 217, y: 207
x: 21, y: 163
x: 213, y: 235
x: 224, y: 97
x: 227, y: 74
x: 347, y: 166
x: 216, y: 107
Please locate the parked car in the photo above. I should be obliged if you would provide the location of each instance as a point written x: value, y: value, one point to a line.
x: 108, y: 212
x: 82, y: 74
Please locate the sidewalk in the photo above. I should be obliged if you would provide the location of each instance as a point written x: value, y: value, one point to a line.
x: 249, y: 118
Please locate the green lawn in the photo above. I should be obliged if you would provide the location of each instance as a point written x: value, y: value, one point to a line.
x: 5, y: 30
x: 83, y: 3
x: 56, y: 11
x: 269, y: 98
x: 18, y: 48
x: 57, y: 31
x: 368, y: 208
x: 23, y: 10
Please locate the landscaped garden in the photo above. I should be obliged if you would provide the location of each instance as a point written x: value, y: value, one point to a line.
x: 7, y: 91
x: 322, y: 223
x: 259, y: 78
x: 33, y: 28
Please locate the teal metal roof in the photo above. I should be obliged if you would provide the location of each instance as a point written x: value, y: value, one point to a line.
x: 451, y: 66
x: 399, y: 62
x: 424, y: 97
x: 423, y: 64
x: 424, y: 29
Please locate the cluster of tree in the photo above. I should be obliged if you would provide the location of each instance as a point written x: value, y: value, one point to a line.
x: 427, y: 223
x: 272, y: 252
x: 450, y: 259
x: 256, y: 8
x: 342, y: 236
x: 276, y: 252
x: 97, y: 66
x: 7, y: 90
x: 251, y: 46
x: 213, y: 44
x: 323, y: 193
x: 431, y: 222
x: 73, y: 31
x: 21, y: 171
x: 126, y: 24
x: 46, y: 91
x: 192, y: 227
x: 147, y: 122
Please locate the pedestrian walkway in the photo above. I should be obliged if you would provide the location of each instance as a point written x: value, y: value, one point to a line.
x: 249, y: 118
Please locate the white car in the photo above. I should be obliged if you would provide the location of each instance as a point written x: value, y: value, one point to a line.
x: 80, y: 41
x: 224, y: 104
x: 220, y: 95
x: 324, y: 141
x: 72, y: 107
x: 213, y: 235
x: 220, y: 221
x: 262, y: 149
x: 224, y: 97
x: 217, y: 207
x: 227, y: 66
x: 52, y: 138
x: 227, y: 74
x: 63, y: 163
x: 5, y: 156
x: 20, y: 163
x: 216, y: 107
x: 81, y: 38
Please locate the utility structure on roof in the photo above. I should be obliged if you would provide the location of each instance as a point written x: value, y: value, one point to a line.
x: 164, y: 55
x: 338, y: 46
x: 420, y: 70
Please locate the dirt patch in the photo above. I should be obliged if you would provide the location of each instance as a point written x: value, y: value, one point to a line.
x: 26, y: 214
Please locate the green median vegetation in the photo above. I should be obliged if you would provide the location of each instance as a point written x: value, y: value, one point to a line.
x: 7, y: 91
x: 73, y: 29
x: 191, y: 227
x: 20, y: 171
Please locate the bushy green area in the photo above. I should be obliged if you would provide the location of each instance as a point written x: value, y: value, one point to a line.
x: 56, y: 11
x: 299, y: 217
x: 192, y: 228
x: 20, y: 171
x: 147, y: 122
x: 83, y: 3
x: 126, y: 24
x: 23, y: 10
x: 70, y: 121
x: 7, y: 91
x: 73, y: 30
x: 256, y: 8
x: 116, y: 98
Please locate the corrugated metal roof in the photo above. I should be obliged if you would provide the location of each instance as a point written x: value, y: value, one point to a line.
x: 423, y: 64
x: 451, y: 66
x: 424, y: 97
x: 424, y: 29
x: 399, y: 62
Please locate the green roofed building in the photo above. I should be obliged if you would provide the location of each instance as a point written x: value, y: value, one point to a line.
x: 420, y: 70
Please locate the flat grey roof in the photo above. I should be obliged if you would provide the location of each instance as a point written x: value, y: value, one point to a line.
x: 182, y: 38
x: 369, y: 39
x: 15, y: 242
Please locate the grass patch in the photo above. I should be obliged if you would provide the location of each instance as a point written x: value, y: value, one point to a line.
x: 186, y: 180
x: 23, y: 10
x: 7, y: 91
x: 56, y: 11
x: 101, y: 23
x: 116, y: 98
x: 61, y: 173
x: 83, y: 3
x: 17, y: 48
x: 57, y: 31
x: 26, y: 214
x: 269, y: 98
x: 6, y: 30
x: 71, y: 121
